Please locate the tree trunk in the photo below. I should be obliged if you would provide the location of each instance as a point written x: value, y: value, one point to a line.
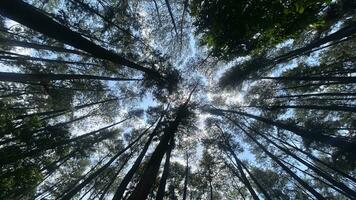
x: 148, y: 178
x: 92, y: 176
x: 17, y: 77
x: 126, y: 180
x: 316, y: 95
x: 186, y: 177
x: 29, y: 16
x: 316, y: 194
x: 171, y: 15
x: 107, y: 187
x: 7, y: 157
x: 338, y: 35
x: 165, y: 173
x: 348, y: 192
x: 16, y: 43
x: 211, y: 190
x: 63, y: 111
x: 344, y: 79
x: 309, y: 155
x: 244, y: 179
x: 341, y: 143
x: 309, y: 107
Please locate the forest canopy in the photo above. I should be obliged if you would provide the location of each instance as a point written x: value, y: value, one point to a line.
x: 184, y: 99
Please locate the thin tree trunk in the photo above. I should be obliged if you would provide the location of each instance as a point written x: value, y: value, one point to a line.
x: 107, y: 187
x: 17, y: 43
x: 63, y: 111
x: 348, y: 192
x: 186, y: 173
x: 341, y: 143
x: 165, y: 174
x: 149, y: 175
x: 316, y: 95
x: 171, y: 15
x: 128, y: 177
x: 157, y: 11
x: 29, y: 16
x: 338, y: 35
x: 147, y: 180
x: 92, y: 176
x: 19, y: 57
x: 243, y: 178
x: 7, y: 157
x: 309, y: 155
x: 211, y: 190
x: 308, y: 107
x: 344, y: 79
x: 316, y: 194
x: 17, y: 77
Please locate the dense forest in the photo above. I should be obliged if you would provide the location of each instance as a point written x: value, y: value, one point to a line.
x: 177, y: 99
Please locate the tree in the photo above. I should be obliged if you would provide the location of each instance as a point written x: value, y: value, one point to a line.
x: 121, y: 100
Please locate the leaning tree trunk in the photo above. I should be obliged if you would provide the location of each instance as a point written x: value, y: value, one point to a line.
x: 341, y: 143
x: 165, y: 174
x: 186, y: 177
x: 94, y: 175
x: 29, y: 16
x: 128, y: 177
x: 17, y: 77
x: 305, y: 185
x: 148, y: 178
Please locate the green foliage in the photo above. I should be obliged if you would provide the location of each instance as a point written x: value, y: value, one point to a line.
x: 238, y: 27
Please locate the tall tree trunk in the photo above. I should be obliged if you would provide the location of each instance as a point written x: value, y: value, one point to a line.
x: 338, y: 35
x: 17, y: 43
x: 316, y: 194
x: 149, y: 175
x: 309, y: 155
x: 211, y: 190
x: 171, y: 15
x: 316, y: 95
x: 63, y: 111
x: 19, y: 57
x: 107, y: 187
x: 309, y: 107
x: 157, y: 12
x: 348, y: 192
x: 341, y: 143
x: 244, y: 179
x: 128, y: 177
x: 29, y: 16
x: 186, y: 175
x: 147, y: 180
x: 8, y: 157
x: 344, y: 79
x: 92, y: 176
x: 239, y: 162
x: 165, y: 173
x: 17, y: 77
